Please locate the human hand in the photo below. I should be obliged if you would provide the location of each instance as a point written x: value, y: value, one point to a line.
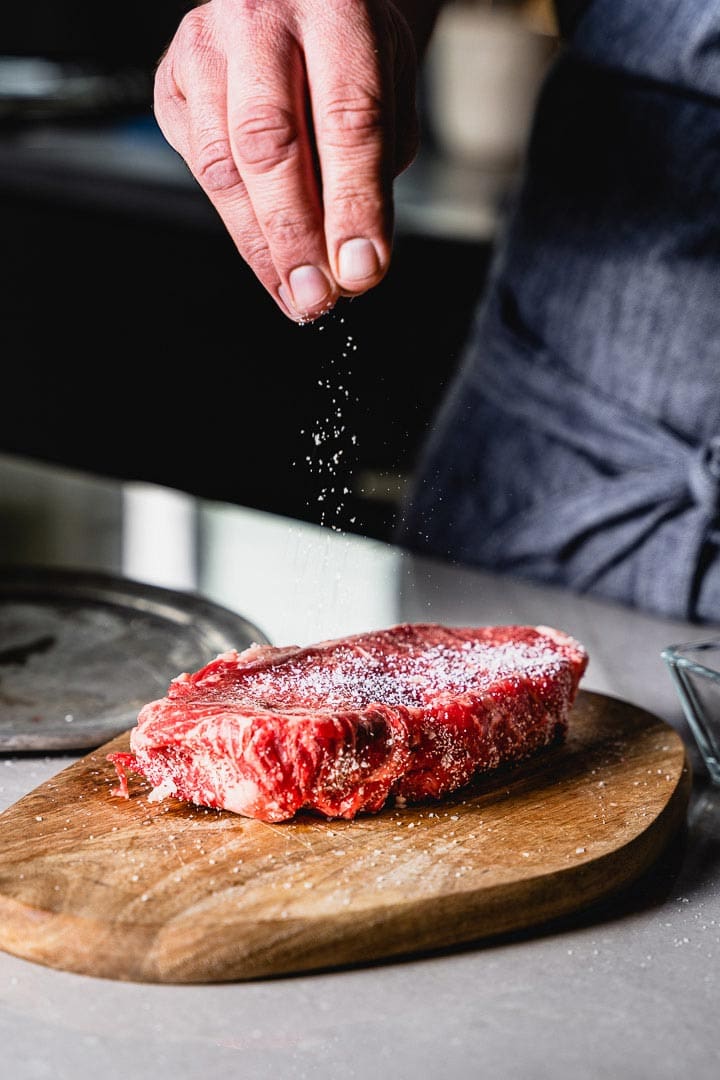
x: 295, y: 116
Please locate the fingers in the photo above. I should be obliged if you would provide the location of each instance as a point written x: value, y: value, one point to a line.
x: 353, y: 120
x: 190, y: 105
x: 237, y: 114
x: 294, y: 118
x: 273, y: 147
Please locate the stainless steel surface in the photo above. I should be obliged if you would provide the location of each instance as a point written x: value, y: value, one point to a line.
x: 82, y: 651
x: 629, y: 992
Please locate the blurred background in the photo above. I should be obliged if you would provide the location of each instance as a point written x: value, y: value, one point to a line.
x: 136, y: 343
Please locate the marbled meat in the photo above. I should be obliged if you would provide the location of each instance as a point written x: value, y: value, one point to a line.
x: 410, y: 713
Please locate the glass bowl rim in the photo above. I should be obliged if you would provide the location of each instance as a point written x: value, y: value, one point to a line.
x: 676, y: 655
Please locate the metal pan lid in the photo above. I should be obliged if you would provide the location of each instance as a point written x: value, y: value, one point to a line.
x: 82, y: 651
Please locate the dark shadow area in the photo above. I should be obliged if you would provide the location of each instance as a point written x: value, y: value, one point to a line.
x: 142, y: 348
x: 79, y: 31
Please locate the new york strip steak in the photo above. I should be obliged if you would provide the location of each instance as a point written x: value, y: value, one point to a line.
x: 412, y: 712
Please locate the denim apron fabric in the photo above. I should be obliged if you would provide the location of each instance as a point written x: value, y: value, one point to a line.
x: 579, y: 443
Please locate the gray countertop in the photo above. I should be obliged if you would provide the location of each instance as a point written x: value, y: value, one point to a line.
x: 628, y: 991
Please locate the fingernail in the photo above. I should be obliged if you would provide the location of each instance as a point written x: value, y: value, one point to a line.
x: 310, y: 288
x: 287, y: 302
x: 358, y: 260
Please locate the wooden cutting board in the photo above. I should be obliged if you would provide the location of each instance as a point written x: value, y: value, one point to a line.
x: 172, y: 893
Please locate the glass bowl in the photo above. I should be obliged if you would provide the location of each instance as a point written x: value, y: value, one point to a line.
x: 695, y: 669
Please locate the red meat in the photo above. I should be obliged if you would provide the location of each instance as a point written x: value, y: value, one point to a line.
x: 411, y: 712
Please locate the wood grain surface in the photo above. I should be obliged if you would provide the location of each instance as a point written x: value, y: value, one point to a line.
x: 171, y: 893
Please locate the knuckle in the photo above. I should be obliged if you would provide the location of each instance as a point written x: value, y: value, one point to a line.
x: 285, y: 228
x: 188, y: 56
x: 161, y: 103
x: 353, y: 206
x: 351, y: 117
x: 166, y: 92
x: 256, y: 254
x: 254, y: 250
x: 264, y: 136
x: 215, y: 168
x: 193, y: 32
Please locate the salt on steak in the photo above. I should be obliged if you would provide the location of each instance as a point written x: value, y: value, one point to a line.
x: 410, y: 713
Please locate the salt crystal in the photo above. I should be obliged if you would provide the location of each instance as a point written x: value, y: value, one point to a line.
x: 357, y: 679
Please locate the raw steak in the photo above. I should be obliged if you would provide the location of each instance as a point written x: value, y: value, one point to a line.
x: 411, y: 712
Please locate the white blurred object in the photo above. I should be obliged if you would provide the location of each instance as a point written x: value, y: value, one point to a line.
x: 33, y: 87
x: 29, y: 76
x: 159, y: 536
x: 483, y: 72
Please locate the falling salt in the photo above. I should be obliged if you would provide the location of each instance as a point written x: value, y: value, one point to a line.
x: 330, y: 433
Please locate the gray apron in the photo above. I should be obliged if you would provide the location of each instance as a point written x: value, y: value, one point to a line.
x: 579, y: 443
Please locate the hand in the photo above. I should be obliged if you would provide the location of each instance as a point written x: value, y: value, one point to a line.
x: 295, y: 116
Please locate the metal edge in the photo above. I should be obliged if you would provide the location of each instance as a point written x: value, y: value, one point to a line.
x: 180, y: 606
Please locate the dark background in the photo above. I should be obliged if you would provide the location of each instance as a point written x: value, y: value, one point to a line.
x: 133, y: 33
x: 136, y: 342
